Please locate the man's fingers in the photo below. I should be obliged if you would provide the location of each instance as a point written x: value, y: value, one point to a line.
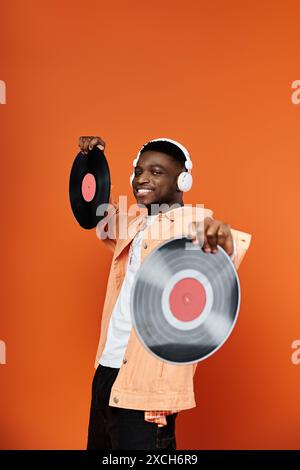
x: 96, y: 141
x: 222, y: 233
x: 226, y: 240
x: 81, y: 143
x: 218, y: 234
x: 87, y: 143
x: 210, y: 234
x: 84, y: 144
x: 93, y: 142
x: 215, y: 233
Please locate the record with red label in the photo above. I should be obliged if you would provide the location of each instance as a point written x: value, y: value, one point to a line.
x: 89, y: 187
x: 184, y: 302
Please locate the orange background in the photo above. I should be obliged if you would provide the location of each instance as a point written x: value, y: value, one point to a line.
x: 217, y: 77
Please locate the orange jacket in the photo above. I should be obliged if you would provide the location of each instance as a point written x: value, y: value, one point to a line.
x: 145, y: 382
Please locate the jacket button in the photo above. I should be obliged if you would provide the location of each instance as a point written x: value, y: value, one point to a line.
x: 145, y: 245
x: 116, y: 400
x: 124, y: 360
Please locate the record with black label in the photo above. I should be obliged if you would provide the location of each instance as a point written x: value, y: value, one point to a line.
x: 89, y: 187
x: 184, y: 302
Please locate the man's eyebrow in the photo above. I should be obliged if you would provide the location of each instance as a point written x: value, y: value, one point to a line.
x: 153, y: 165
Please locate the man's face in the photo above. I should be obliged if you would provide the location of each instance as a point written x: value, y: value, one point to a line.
x: 155, y: 180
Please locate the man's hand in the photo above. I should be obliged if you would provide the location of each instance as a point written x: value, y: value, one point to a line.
x: 215, y: 233
x: 88, y: 143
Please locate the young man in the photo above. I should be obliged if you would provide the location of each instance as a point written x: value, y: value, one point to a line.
x: 135, y: 396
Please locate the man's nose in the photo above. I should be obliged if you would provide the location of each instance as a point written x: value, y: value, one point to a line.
x: 143, y: 178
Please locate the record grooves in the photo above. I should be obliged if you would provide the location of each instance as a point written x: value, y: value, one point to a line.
x: 186, y: 312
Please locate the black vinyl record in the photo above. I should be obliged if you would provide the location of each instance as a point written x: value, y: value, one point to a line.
x: 89, y: 187
x: 184, y: 302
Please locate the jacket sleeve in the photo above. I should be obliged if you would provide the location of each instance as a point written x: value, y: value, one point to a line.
x: 242, y: 242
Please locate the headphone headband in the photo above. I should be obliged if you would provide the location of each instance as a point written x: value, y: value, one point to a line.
x: 188, y: 163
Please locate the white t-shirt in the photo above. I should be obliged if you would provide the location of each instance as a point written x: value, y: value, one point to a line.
x: 120, y: 322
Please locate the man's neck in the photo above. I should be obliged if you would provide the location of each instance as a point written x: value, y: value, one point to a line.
x: 154, y: 209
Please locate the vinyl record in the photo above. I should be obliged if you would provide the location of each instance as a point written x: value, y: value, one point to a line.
x: 89, y: 187
x: 184, y: 302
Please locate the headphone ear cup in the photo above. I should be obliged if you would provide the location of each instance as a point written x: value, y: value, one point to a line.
x: 188, y: 164
x: 184, y: 181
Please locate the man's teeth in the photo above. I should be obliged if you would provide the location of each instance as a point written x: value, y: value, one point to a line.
x: 144, y: 191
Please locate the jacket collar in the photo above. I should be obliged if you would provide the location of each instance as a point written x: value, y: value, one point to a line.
x: 139, y: 221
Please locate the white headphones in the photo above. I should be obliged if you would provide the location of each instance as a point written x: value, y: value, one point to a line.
x: 185, y: 179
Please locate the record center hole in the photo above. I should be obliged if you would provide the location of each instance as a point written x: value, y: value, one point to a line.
x: 187, y: 299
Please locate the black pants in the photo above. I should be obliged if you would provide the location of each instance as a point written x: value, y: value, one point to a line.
x: 112, y: 428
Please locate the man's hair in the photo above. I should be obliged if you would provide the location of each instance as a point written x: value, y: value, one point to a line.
x: 169, y: 148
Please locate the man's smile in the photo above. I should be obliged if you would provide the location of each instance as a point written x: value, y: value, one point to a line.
x: 143, y: 191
